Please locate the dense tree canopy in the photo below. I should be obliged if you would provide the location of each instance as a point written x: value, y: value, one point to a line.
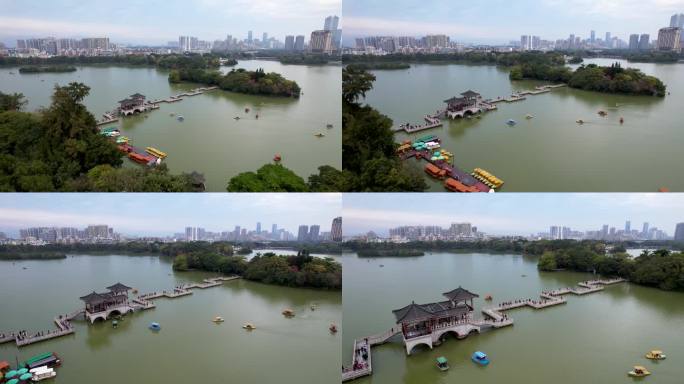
x: 239, y: 80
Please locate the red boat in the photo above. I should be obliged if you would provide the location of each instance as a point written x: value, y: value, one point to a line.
x: 125, y: 148
x: 140, y: 158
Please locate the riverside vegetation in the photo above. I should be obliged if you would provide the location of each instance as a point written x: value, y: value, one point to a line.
x: 60, y: 149
x: 47, y: 69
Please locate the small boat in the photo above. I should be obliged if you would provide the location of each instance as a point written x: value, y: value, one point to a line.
x: 442, y: 363
x: 135, y: 291
x: 319, y: 135
x: 622, y: 120
x: 480, y: 358
x: 528, y: 117
x: 332, y: 328
x: 277, y: 158
x: 154, y: 326
x: 257, y: 116
x: 42, y: 373
x: 180, y: 118
x: 639, y: 371
x: 155, y: 152
x: 172, y: 114
x: 511, y: 122
x: 236, y: 118
x: 246, y: 110
x: 218, y: 319
x: 249, y: 326
x: 287, y: 312
x: 382, y: 265
x: 313, y: 307
x: 115, y: 323
x: 329, y: 126
x: 656, y: 355
x: 580, y: 122
x: 488, y: 297
x: 603, y: 113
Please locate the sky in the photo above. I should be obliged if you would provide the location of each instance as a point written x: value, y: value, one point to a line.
x: 511, y: 213
x: 500, y: 21
x: 155, y: 22
x: 161, y: 214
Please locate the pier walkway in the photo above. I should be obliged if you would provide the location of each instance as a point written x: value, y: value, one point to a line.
x: 493, y: 318
x: 452, y: 170
x: 141, y: 302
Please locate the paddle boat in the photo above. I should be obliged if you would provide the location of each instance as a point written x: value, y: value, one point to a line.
x: 218, y: 319
x: 287, y: 312
x: 154, y: 326
x: 442, y: 363
x: 656, y: 355
x: 42, y: 373
x: 246, y: 110
x: 236, y: 118
x: 622, y: 120
x: 580, y: 121
x: 639, y: 371
x: 511, y: 122
x: 180, y: 118
x: 277, y: 158
x: 332, y: 328
x: 115, y: 323
x: 480, y: 358
x: 603, y: 113
x: 320, y: 134
x: 313, y: 307
x: 488, y: 298
x: 528, y: 117
x: 249, y: 326
x: 329, y: 126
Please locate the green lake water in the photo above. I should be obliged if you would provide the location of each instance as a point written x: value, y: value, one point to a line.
x: 551, y: 152
x: 190, y: 348
x: 210, y: 141
x: 595, y: 338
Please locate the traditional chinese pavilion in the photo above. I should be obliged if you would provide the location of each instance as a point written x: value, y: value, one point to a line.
x: 103, y: 305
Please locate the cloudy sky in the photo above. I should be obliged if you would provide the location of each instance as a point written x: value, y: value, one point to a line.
x: 167, y: 213
x: 511, y: 213
x: 160, y: 21
x: 499, y: 21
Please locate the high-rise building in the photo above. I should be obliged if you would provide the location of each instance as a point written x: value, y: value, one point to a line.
x: 97, y: 231
x: 526, y: 42
x: 299, y: 43
x: 321, y: 42
x: 436, y: 41
x: 555, y: 232
x: 593, y: 36
x: 633, y: 42
x: 679, y: 232
x: 331, y: 23
x: 608, y: 40
x: 644, y: 230
x: 258, y: 228
x: 628, y: 226
x: 645, y: 42
x: 274, y: 229
x: 336, y: 229
x: 677, y: 21
x: 303, y: 233
x: 184, y: 43
x: 314, y: 231
x: 289, y: 43
x: 249, y: 37
x: 669, y: 39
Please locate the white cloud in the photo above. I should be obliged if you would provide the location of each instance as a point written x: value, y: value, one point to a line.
x: 21, y: 26
x: 618, y: 9
x: 375, y: 26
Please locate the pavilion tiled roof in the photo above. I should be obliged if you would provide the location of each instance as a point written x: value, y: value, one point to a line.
x: 412, y: 312
x: 460, y: 294
x: 118, y: 287
x: 454, y: 100
x: 470, y: 93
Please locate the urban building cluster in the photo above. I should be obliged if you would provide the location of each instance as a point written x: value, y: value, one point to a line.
x: 646, y: 232
x: 455, y: 232
x: 92, y: 234
x: 327, y: 41
x: 669, y: 39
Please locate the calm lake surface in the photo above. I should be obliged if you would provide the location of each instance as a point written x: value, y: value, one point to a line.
x: 190, y: 348
x: 550, y: 152
x: 210, y: 141
x: 595, y: 338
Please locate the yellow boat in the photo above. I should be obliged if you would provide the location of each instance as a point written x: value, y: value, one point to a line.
x: 218, y: 319
x: 656, y: 355
x: 156, y: 152
x: 487, y: 178
x: 639, y: 371
x: 249, y: 326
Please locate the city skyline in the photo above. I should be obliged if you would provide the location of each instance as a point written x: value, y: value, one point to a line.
x: 210, y: 19
x: 166, y: 214
x: 476, y: 23
x: 511, y: 214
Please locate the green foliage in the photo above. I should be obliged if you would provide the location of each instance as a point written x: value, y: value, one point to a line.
x: 378, y: 66
x: 48, y: 69
x: 60, y: 149
x: 269, y: 178
x: 389, y: 253
x: 304, y: 59
x: 330, y: 179
x: 238, y: 80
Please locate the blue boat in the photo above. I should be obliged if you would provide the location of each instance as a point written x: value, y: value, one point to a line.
x: 511, y: 122
x: 154, y: 326
x: 480, y: 358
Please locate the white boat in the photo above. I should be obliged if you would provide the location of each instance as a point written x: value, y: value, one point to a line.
x: 42, y: 373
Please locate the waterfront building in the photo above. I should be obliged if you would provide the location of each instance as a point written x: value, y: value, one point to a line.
x: 526, y: 42
x: 258, y: 228
x: 608, y: 40
x: 469, y: 103
x: 299, y: 43
x: 289, y: 43
x: 336, y: 229
x: 100, y: 306
x: 314, y: 232
x: 249, y: 38
x: 134, y: 104
x: 321, y: 42
x: 679, y: 232
x: 427, y: 323
x: 303, y: 233
x: 593, y: 37
x: 669, y: 39
x: 436, y: 41
x: 633, y: 42
x: 645, y: 42
x: 677, y: 21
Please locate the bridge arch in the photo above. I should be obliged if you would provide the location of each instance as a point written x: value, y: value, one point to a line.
x: 446, y: 332
x: 96, y: 318
x: 411, y: 345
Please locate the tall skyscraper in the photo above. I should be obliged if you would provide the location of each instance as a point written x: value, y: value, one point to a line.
x: 336, y: 229
x: 679, y: 232
x: 299, y: 43
x: 669, y: 39
x: 314, y: 232
x: 249, y: 37
x: 677, y: 21
x: 644, y: 230
x: 274, y: 229
x: 645, y: 42
x: 633, y: 42
x: 628, y: 226
x: 526, y: 42
x: 303, y: 233
x: 331, y: 23
x: 593, y: 36
x: 555, y: 233
x: 321, y: 42
x: 289, y: 43
x: 258, y: 228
